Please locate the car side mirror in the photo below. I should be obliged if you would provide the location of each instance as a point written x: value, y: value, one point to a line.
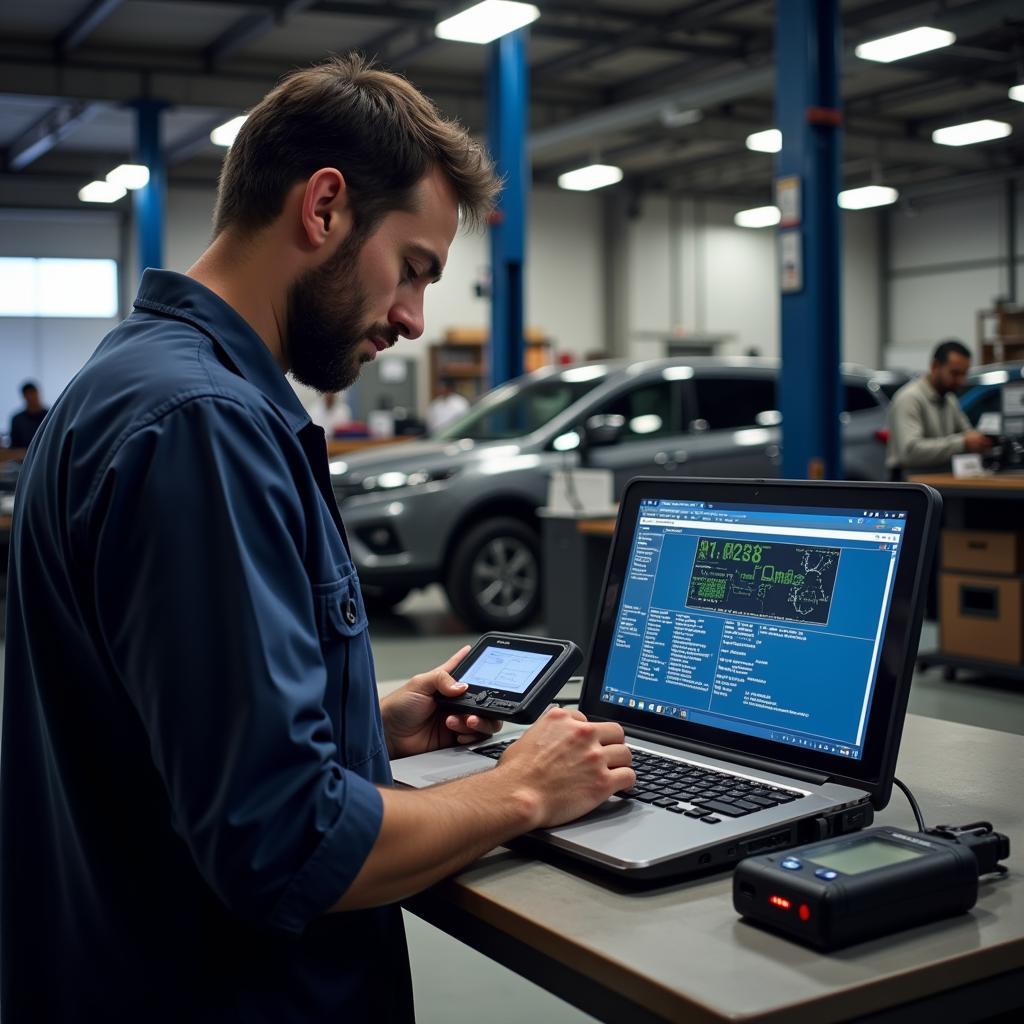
x: 603, y: 430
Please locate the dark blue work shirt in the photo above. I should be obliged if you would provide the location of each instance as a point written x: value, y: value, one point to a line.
x: 191, y: 734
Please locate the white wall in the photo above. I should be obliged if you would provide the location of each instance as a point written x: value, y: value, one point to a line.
x: 692, y: 271
x: 948, y: 261
x: 50, y: 350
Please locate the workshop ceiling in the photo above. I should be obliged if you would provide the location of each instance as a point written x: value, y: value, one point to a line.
x: 667, y: 89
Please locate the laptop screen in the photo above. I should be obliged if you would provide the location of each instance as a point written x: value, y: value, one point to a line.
x: 762, y: 620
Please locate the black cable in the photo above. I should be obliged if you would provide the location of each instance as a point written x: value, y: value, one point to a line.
x: 913, y: 805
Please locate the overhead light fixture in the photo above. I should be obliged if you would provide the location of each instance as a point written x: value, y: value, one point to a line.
x: 101, y: 192
x: 1017, y: 92
x: 129, y: 176
x: 758, y: 217
x: 484, y: 22
x: 224, y: 134
x: 586, y: 179
x: 971, y: 132
x: 867, y: 197
x: 768, y: 141
x: 905, y: 44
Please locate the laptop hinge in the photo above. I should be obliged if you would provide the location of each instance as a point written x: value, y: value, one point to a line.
x: 733, y: 756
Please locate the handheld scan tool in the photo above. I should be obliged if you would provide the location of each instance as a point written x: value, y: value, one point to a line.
x: 512, y: 677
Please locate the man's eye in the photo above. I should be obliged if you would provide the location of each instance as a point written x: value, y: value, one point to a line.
x: 410, y: 272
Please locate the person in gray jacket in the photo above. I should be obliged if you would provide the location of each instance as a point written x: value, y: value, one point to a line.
x: 927, y: 427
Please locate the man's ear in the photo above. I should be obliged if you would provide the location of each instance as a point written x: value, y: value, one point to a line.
x: 325, y: 212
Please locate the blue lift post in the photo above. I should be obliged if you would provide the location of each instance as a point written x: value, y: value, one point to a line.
x: 808, y: 48
x: 507, y: 127
x: 149, y: 201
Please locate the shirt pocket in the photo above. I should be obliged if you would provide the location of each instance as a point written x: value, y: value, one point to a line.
x: 345, y: 643
x: 340, y: 611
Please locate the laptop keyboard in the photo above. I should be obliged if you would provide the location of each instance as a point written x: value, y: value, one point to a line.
x: 688, y: 789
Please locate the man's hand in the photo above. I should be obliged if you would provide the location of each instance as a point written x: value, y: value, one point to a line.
x: 413, y: 722
x: 568, y: 765
x: 975, y: 441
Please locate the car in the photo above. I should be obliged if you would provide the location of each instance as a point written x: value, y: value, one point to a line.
x: 460, y: 509
x: 984, y: 389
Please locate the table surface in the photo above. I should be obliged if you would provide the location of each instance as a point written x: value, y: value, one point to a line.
x: 948, y: 482
x: 681, y: 952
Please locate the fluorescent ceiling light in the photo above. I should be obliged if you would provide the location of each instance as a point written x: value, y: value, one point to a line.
x: 905, y: 44
x: 759, y: 217
x: 971, y: 132
x: 130, y: 176
x: 486, y: 21
x: 224, y: 135
x: 1017, y: 92
x: 868, y: 196
x: 768, y: 141
x: 101, y: 192
x: 585, y: 179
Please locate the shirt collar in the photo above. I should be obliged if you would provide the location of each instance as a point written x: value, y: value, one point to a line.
x: 171, y: 294
x: 930, y: 392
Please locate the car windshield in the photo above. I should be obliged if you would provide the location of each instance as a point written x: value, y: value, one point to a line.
x: 518, y: 408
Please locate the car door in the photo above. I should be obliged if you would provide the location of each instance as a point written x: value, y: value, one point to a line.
x: 653, y: 431
x: 734, y: 427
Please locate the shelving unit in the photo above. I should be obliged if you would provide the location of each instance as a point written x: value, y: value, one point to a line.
x: 1001, y: 333
x: 462, y: 356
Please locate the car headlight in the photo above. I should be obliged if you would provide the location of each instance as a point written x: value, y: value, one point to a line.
x: 393, y: 479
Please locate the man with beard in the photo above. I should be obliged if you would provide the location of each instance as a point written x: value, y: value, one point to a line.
x: 196, y: 812
x: 927, y: 427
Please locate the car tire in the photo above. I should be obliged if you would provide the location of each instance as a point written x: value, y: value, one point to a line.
x: 494, y: 579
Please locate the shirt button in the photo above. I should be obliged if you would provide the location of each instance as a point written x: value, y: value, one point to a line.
x: 350, y: 611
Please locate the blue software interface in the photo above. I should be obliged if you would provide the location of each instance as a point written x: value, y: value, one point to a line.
x: 758, y: 619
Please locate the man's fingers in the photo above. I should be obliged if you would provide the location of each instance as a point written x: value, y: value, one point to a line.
x: 619, y: 756
x: 609, y: 732
x: 453, y: 660
x: 472, y: 724
x: 624, y: 778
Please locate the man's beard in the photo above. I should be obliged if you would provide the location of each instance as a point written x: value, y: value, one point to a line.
x: 326, y: 310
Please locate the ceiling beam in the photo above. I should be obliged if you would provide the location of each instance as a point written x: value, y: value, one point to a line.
x: 83, y: 25
x: 56, y: 124
x: 655, y: 32
x: 250, y: 27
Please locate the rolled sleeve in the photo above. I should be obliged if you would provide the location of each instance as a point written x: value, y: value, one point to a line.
x: 205, y: 604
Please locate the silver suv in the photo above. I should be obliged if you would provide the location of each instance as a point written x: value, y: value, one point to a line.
x: 461, y: 508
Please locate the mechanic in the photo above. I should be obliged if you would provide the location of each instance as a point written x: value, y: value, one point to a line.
x: 927, y: 427
x: 196, y: 811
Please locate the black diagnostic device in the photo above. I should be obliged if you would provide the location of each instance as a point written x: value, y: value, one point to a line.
x: 834, y: 893
x: 512, y: 677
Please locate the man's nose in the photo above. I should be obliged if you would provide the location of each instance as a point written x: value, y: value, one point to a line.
x: 407, y: 317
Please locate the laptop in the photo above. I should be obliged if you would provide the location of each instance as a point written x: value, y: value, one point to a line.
x: 756, y: 641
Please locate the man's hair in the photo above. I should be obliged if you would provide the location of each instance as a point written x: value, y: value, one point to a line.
x: 947, y: 348
x: 373, y: 126
x: 27, y: 386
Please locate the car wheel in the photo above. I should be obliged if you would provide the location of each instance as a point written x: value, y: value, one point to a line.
x: 494, y: 579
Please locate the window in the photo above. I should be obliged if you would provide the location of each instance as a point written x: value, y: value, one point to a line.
x: 857, y: 398
x: 58, y: 287
x: 648, y: 410
x: 730, y: 403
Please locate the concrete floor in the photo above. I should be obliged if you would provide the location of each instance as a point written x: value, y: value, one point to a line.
x: 454, y: 983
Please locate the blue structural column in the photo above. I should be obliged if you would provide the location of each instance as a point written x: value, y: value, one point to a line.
x: 808, y: 48
x: 149, y: 201
x: 507, y: 127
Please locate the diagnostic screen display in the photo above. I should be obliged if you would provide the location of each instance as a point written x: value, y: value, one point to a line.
x: 504, y: 668
x: 854, y: 858
x: 763, y: 620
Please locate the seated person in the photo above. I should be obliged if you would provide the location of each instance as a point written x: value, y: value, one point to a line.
x: 927, y: 427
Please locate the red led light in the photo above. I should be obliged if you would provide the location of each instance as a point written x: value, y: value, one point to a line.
x: 780, y: 901
x: 804, y: 912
